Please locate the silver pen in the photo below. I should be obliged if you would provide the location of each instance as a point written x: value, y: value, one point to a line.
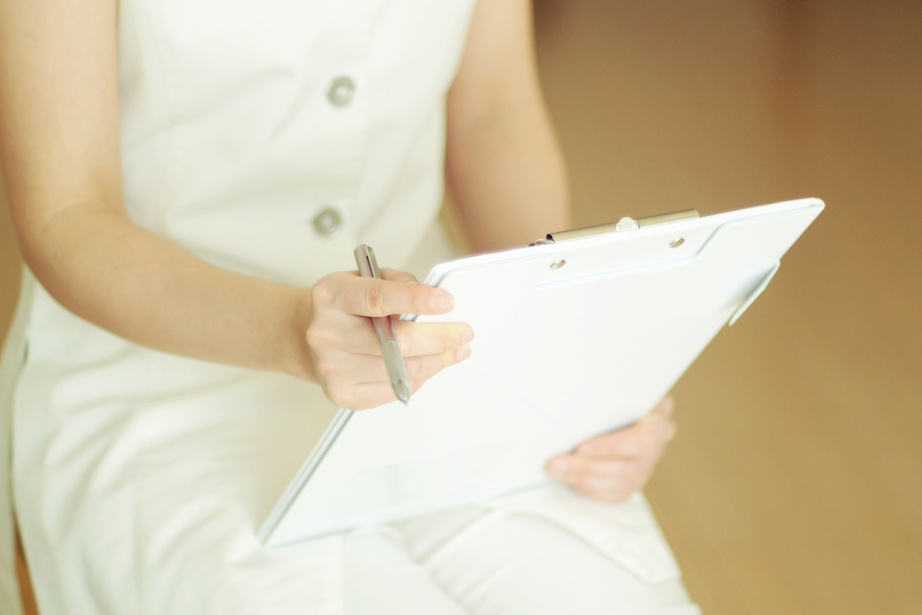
x: 384, y: 327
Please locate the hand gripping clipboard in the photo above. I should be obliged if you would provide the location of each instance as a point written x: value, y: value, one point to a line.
x: 576, y: 335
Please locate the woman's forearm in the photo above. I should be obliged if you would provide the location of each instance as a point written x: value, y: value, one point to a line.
x: 138, y: 285
x: 503, y: 162
x: 60, y: 148
x: 104, y: 268
x: 508, y: 179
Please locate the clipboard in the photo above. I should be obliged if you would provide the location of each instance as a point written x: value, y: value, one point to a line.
x: 578, y: 334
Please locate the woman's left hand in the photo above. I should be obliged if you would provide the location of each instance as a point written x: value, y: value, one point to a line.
x: 613, y: 466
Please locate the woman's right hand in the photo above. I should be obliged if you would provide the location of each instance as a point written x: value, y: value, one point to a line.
x: 344, y: 349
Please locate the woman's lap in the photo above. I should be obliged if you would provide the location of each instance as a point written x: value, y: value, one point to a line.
x: 486, y: 561
x: 206, y: 472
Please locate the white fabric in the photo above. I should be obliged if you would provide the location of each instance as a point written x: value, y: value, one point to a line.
x: 502, y: 560
x: 231, y: 145
x: 140, y: 477
x: 13, y: 358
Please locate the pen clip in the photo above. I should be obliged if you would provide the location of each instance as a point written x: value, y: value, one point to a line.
x: 373, y: 263
x: 367, y: 263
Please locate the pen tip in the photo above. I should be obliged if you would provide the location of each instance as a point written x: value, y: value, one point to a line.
x: 402, y: 390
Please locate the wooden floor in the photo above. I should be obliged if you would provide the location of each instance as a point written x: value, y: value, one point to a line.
x: 795, y: 485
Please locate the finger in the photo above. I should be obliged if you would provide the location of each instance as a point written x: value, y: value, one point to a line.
x: 356, y: 335
x: 567, y: 468
x: 421, y: 369
x: 363, y: 396
x: 608, y: 490
x: 352, y: 294
x: 346, y: 370
x: 606, y: 480
x: 665, y: 407
x: 335, y: 333
x: 573, y: 469
x: 645, y: 438
x: 416, y: 339
x: 628, y: 443
x: 377, y: 389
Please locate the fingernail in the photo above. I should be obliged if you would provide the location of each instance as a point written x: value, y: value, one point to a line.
x: 463, y: 353
x: 442, y: 301
x: 558, y: 468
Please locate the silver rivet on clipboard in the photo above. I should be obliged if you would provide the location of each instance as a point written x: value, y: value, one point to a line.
x: 558, y: 264
x: 675, y: 243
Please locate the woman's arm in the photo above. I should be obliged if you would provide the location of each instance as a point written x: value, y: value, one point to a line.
x: 60, y: 150
x: 503, y: 163
x: 507, y: 175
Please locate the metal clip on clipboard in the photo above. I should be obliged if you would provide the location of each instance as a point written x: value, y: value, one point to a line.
x: 623, y: 225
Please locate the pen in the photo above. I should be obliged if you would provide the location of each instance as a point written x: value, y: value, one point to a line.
x: 384, y: 327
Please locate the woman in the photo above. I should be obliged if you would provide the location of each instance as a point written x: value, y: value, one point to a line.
x: 183, y: 178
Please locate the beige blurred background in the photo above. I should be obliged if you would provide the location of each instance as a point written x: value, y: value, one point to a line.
x: 795, y: 485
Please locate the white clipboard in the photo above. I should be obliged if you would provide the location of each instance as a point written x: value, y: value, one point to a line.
x: 575, y: 335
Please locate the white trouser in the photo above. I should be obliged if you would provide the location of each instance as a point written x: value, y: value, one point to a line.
x: 480, y: 562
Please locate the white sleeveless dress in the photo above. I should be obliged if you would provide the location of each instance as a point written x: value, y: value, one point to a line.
x: 269, y: 138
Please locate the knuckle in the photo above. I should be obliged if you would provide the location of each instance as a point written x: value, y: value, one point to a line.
x: 373, y: 299
x: 323, y: 292
x: 316, y: 337
x: 312, y: 333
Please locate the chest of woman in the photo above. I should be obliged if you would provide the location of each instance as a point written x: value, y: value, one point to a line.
x: 272, y: 137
